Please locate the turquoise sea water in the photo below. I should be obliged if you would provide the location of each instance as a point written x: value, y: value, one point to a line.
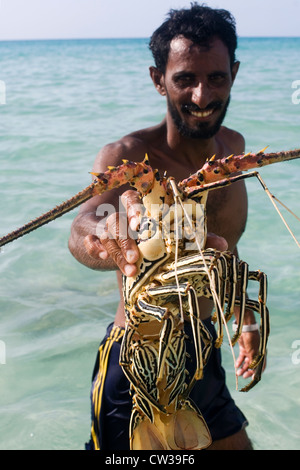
x: 64, y: 100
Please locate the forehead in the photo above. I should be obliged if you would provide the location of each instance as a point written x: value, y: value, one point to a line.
x: 184, y: 53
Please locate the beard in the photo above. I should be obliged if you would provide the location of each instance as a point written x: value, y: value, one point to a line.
x: 203, y: 130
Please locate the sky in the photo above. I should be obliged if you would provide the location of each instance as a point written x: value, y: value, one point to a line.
x: 64, y: 19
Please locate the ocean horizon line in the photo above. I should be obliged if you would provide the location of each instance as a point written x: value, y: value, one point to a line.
x: 125, y: 38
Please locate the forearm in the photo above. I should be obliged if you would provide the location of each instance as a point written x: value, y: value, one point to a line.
x: 249, y: 316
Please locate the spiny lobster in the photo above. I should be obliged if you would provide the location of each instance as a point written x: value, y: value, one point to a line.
x: 166, y: 289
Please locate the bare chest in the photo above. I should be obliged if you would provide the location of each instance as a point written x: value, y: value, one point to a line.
x: 226, y: 211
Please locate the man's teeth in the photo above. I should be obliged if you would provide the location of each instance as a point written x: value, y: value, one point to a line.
x: 201, y: 114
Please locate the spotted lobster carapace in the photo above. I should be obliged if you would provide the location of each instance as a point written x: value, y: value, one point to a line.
x: 174, y: 270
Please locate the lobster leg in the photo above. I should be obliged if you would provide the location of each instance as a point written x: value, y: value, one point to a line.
x: 261, y: 308
x: 232, y: 283
x: 223, y: 272
x: 264, y: 314
x: 134, y: 380
x: 196, y: 266
x: 239, y: 273
x: 199, y: 332
x: 161, y: 314
x: 198, y: 328
x: 243, y: 278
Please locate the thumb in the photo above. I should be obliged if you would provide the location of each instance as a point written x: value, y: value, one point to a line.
x: 132, y: 203
x: 214, y: 241
x: 94, y: 247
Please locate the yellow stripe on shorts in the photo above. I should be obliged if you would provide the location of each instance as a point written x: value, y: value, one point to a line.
x: 115, y: 336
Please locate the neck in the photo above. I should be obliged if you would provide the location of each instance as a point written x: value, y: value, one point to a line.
x: 194, y: 151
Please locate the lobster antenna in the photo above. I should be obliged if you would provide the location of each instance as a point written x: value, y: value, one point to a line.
x: 176, y: 197
x: 273, y: 199
x: 213, y: 289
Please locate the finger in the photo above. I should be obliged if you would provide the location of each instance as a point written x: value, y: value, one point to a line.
x: 239, y: 361
x: 113, y: 249
x: 244, y: 370
x: 214, y: 241
x: 94, y: 247
x: 119, y: 246
x: 242, y: 364
x: 117, y: 230
x: 132, y: 204
x: 249, y: 373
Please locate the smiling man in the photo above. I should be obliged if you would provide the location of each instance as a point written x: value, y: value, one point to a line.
x: 195, y: 68
x: 197, y: 83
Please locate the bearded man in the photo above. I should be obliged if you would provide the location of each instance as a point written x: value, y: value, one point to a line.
x: 195, y: 68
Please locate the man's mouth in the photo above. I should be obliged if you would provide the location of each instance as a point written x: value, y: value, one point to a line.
x: 201, y: 114
x: 204, y: 123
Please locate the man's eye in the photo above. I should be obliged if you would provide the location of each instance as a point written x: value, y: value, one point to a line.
x: 217, y: 79
x: 184, y: 80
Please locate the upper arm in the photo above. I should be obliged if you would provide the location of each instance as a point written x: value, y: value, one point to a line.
x: 112, y: 155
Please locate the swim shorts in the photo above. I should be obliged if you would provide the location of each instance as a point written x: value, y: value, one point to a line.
x: 111, y: 401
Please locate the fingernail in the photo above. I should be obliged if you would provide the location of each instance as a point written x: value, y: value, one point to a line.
x: 128, y: 270
x: 134, y: 223
x: 103, y: 255
x: 131, y: 256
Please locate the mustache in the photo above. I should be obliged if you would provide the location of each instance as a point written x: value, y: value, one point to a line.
x: 215, y: 105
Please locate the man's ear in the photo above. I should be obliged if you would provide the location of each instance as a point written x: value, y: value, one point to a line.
x: 158, y: 80
x: 234, y: 70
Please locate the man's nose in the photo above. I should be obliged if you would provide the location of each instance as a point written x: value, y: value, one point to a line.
x: 201, y: 95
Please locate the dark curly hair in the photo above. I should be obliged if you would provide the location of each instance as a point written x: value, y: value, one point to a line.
x: 199, y: 23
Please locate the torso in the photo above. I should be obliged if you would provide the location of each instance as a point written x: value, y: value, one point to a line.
x: 226, y: 207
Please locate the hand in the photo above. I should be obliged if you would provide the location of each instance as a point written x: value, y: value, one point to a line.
x: 114, y: 241
x: 214, y: 241
x: 249, y: 346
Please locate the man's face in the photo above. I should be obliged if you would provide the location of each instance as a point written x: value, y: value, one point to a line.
x: 197, y: 84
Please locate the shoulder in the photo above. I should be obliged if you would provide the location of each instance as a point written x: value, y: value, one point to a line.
x: 130, y: 147
x: 232, y: 140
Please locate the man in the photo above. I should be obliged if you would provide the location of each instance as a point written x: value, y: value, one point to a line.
x: 194, y: 52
